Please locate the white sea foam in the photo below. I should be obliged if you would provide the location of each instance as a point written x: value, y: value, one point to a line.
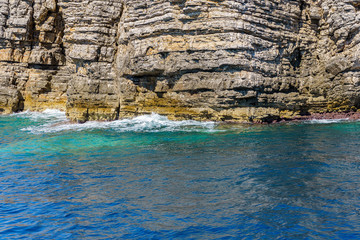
x: 145, y: 123
x: 326, y: 121
x: 48, y: 114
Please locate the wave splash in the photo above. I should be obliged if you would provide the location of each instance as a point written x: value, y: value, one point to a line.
x: 327, y: 121
x: 53, y: 115
x: 57, y: 122
x: 52, y: 121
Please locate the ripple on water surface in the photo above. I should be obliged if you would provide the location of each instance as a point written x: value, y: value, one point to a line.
x: 151, y: 178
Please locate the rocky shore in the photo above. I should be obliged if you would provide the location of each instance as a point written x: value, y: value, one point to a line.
x: 351, y: 116
x: 230, y: 61
x: 346, y: 116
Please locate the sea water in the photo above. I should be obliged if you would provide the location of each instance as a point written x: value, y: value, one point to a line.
x: 151, y: 178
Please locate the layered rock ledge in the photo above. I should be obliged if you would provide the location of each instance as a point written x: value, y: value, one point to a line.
x: 222, y: 60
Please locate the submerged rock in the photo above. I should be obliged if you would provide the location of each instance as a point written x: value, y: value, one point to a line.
x: 257, y: 61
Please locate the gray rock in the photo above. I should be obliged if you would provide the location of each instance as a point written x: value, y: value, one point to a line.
x: 205, y: 60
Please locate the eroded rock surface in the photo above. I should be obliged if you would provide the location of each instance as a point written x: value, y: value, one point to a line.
x: 224, y: 60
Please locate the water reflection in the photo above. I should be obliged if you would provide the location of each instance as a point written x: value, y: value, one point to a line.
x: 280, y: 181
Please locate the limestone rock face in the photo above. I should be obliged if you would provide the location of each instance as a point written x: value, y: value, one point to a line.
x: 224, y: 60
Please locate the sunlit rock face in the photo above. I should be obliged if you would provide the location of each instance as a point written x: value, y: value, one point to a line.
x: 234, y: 60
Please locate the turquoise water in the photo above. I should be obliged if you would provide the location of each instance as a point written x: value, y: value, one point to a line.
x: 150, y: 178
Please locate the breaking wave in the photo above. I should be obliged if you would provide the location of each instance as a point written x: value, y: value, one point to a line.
x: 52, y: 115
x: 326, y: 121
x: 52, y: 121
x: 56, y: 122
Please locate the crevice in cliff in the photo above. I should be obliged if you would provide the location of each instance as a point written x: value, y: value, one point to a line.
x: 304, y: 16
x: 302, y: 5
x: 47, y: 45
x: 146, y: 79
x: 295, y: 58
x: 21, y: 102
x: 198, y: 32
x: 356, y: 5
x: 60, y: 24
x: 31, y: 26
x: 351, y: 35
x: 116, y: 24
x: 43, y: 67
x: 179, y: 3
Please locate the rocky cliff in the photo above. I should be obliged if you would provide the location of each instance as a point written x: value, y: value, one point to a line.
x: 223, y: 60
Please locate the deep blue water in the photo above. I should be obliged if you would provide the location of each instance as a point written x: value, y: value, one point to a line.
x: 150, y: 178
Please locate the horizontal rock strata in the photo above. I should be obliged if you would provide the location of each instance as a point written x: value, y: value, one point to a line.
x: 224, y: 60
